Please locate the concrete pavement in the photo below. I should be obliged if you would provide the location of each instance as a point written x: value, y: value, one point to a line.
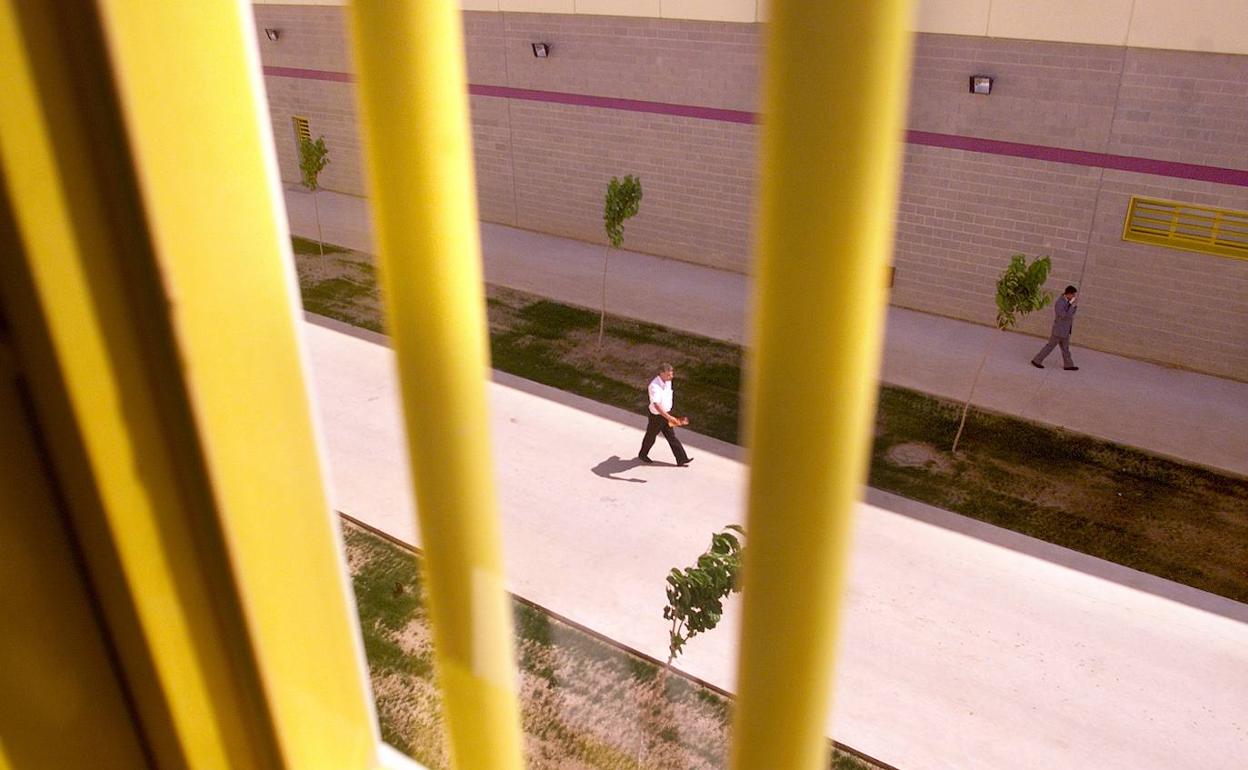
x: 1192, y: 417
x: 963, y: 646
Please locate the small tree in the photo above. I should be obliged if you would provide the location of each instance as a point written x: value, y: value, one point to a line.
x: 313, y: 157
x: 695, y: 595
x: 622, y: 203
x: 1018, y: 293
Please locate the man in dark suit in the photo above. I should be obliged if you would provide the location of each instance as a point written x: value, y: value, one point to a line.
x: 1063, y: 321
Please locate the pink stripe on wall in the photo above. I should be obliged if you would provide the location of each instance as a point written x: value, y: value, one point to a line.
x: 295, y: 72
x: 1166, y: 168
x: 611, y: 103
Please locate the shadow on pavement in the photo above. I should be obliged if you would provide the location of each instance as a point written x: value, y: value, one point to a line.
x: 613, y: 465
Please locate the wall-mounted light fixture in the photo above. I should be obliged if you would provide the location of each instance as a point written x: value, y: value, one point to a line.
x: 272, y: 34
x: 541, y: 50
x: 981, y: 84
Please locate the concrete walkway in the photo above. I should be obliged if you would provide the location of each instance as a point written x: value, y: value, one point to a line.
x: 963, y: 647
x: 1193, y: 417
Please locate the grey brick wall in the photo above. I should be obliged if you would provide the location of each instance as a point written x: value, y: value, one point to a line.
x: 962, y: 215
x: 696, y: 194
x: 1174, y: 307
x: 544, y: 166
x: 313, y: 38
x: 709, y: 64
x: 1182, y: 106
x: 330, y: 110
x: 1043, y: 93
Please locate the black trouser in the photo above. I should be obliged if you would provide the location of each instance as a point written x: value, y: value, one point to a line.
x: 659, y: 423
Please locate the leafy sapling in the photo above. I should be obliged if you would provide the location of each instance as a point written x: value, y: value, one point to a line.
x: 623, y: 201
x: 1019, y: 292
x: 695, y: 600
x: 313, y: 157
x: 695, y: 595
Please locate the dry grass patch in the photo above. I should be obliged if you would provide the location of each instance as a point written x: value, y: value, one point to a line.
x: 585, y: 703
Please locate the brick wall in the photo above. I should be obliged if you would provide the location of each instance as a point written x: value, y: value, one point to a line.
x: 710, y: 64
x: 1160, y: 304
x: 1043, y: 93
x: 696, y: 201
x: 962, y: 215
x: 312, y: 38
x: 1188, y: 107
x: 544, y: 166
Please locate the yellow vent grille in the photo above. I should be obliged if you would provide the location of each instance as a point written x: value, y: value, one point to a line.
x: 1222, y: 232
x: 301, y: 130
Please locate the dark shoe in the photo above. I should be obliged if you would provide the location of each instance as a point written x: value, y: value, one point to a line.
x: 1038, y: 366
x: 645, y: 460
x: 686, y: 462
x: 1071, y: 368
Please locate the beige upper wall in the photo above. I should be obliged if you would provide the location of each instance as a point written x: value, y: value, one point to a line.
x: 1219, y: 26
x: 1216, y: 26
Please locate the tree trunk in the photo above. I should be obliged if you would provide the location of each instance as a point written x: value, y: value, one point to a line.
x: 602, y: 317
x: 320, y: 240
x: 974, y: 384
x: 643, y: 744
x: 660, y: 693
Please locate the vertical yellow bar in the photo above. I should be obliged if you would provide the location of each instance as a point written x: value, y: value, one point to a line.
x: 413, y: 92
x: 152, y: 309
x: 76, y: 331
x: 63, y: 705
x: 833, y: 111
x: 201, y: 138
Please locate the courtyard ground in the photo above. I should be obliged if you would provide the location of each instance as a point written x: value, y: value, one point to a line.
x: 962, y: 645
x: 1171, y: 519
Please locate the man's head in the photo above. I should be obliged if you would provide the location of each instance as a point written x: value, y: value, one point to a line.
x: 666, y: 372
x: 1070, y: 292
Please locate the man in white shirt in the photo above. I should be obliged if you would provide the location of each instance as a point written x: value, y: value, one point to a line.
x: 662, y: 419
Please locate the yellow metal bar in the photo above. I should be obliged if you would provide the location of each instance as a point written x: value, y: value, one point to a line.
x: 153, y: 304
x: 414, y: 105
x: 68, y: 301
x: 832, y: 129
x: 202, y: 142
x: 63, y: 705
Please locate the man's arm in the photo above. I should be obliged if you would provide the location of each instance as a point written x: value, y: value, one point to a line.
x: 672, y: 419
x: 667, y: 415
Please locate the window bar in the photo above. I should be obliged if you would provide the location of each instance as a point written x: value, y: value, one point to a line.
x: 834, y: 87
x: 414, y: 107
x: 153, y: 309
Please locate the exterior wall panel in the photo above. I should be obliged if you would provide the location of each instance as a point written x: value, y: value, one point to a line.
x: 696, y: 200
x: 492, y: 149
x: 1175, y: 307
x: 1191, y: 25
x: 1182, y: 106
x: 708, y: 64
x: 543, y: 165
x: 962, y: 216
x: 1043, y: 93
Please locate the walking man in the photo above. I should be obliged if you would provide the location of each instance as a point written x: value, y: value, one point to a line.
x: 662, y: 419
x: 1063, y: 320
